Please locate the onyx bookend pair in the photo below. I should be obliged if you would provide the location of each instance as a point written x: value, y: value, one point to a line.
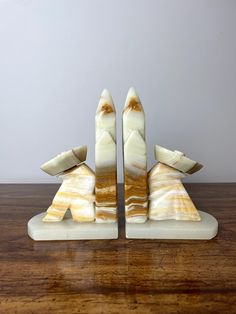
x: 157, y: 206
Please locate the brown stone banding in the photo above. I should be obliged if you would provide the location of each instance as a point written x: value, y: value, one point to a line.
x: 106, y: 215
x: 136, y: 201
x: 106, y: 178
x: 134, y: 104
x: 108, y: 174
x: 136, y: 186
x: 74, y: 195
x: 107, y: 108
x: 195, y: 168
x: 105, y: 199
x: 135, y: 191
x: 59, y: 206
x: 106, y: 192
x: 109, y: 189
x: 55, y: 214
x: 136, y: 194
x: 83, y: 218
x: 133, y: 177
x: 136, y: 212
x: 104, y: 182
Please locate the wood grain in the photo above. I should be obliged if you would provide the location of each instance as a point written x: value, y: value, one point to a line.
x: 116, y: 276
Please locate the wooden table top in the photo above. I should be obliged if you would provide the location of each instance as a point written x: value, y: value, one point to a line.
x: 116, y: 276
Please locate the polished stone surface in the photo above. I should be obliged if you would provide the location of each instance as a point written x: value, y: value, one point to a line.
x: 105, y: 160
x: 135, y: 160
x: 69, y: 229
x: 205, y: 229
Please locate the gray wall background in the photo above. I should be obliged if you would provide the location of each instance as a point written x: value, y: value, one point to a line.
x: 56, y: 57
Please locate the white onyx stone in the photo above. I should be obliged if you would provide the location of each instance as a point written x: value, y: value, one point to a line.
x: 135, y: 160
x: 68, y: 229
x: 105, y: 160
x: 205, y: 229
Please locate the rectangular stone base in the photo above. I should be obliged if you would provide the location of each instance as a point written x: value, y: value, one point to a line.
x: 205, y: 229
x: 67, y: 229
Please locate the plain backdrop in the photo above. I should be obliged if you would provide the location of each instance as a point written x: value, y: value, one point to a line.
x: 56, y: 56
